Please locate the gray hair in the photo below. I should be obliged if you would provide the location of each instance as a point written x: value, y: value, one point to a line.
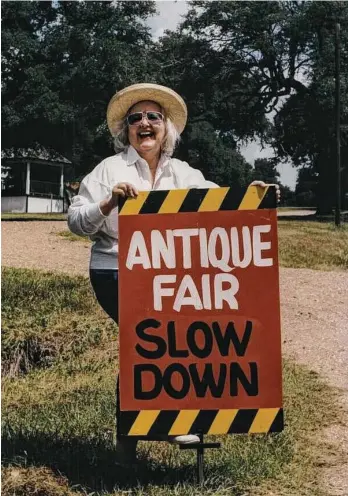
x: 170, y: 140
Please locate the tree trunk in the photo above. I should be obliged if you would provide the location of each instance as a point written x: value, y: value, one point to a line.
x: 326, y: 182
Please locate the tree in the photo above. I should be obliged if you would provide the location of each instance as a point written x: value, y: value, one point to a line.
x: 306, y: 187
x: 265, y: 40
x: 285, y: 52
x: 62, y: 62
x: 195, y: 69
x: 305, y: 126
x: 209, y: 141
x: 288, y: 198
x: 215, y: 155
x: 265, y: 169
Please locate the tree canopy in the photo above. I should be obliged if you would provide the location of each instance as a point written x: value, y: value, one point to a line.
x: 285, y: 52
x: 61, y: 64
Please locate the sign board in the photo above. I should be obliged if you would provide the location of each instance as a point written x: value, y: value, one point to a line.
x: 200, y: 346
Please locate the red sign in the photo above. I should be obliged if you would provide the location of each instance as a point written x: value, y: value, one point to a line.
x: 199, y: 311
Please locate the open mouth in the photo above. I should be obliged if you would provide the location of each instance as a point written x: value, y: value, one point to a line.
x: 146, y: 134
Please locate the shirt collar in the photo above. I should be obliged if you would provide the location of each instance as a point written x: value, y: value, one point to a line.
x: 132, y: 156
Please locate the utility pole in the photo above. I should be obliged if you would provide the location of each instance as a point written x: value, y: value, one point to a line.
x: 338, y: 123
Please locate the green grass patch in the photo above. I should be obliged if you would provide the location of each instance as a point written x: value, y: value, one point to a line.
x: 58, y: 410
x: 69, y: 236
x: 47, y: 319
x: 25, y: 216
x: 313, y: 245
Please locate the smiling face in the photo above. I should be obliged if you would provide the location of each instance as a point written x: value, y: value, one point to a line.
x: 146, y: 137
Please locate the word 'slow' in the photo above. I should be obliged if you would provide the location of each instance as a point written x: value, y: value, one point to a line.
x: 201, y: 339
x: 221, y: 248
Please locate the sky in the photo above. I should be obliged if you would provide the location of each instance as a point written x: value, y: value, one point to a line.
x: 168, y: 17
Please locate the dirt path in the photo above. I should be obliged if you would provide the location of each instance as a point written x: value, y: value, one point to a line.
x: 295, y: 212
x: 35, y: 244
x: 314, y: 307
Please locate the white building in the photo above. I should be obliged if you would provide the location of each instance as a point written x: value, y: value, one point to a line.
x: 32, y: 181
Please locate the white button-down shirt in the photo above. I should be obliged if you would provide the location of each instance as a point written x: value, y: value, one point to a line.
x: 85, y: 217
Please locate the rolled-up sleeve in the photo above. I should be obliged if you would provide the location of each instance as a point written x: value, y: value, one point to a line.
x: 84, y: 215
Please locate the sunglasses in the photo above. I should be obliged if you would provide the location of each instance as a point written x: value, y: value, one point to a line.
x: 136, y: 119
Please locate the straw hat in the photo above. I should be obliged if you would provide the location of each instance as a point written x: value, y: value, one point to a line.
x: 169, y: 100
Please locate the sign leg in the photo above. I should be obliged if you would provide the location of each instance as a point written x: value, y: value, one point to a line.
x: 200, y: 447
x: 200, y: 461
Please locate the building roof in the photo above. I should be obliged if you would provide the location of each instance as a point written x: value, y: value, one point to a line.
x: 40, y: 153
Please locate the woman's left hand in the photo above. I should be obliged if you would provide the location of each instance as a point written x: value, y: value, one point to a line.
x: 264, y: 185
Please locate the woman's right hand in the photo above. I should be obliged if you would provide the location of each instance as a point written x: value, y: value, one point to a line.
x: 120, y: 189
x: 125, y: 190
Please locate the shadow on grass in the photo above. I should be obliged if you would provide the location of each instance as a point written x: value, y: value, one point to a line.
x: 89, y: 464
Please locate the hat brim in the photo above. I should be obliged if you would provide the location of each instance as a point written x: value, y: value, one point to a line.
x: 172, y: 103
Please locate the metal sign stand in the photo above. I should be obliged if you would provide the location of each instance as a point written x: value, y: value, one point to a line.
x: 200, y: 447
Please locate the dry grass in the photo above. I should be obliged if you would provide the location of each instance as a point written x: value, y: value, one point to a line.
x: 34, y: 481
x: 59, y: 414
x: 68, y: 235
x: 25, y: 216
x: 313, y: 245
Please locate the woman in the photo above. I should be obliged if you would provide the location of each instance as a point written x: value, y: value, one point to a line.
x: 146, y: 121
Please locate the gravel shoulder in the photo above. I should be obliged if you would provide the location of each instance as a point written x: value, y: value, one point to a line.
x: 36, y: 245
x: 314, y: 309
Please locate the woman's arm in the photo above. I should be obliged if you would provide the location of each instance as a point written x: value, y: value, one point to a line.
x: 121, y: 189
x: 94, y: 203
x: 84, y: 215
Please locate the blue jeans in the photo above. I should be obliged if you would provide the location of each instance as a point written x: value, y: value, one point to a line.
x: 105, y: 286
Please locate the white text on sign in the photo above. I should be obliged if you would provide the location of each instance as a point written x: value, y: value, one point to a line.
x: 224, y: 249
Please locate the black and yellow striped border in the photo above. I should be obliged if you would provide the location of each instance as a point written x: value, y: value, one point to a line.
x: 199, y: 200
x: 152, y: 423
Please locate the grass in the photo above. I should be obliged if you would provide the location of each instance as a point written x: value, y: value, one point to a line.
x: 69, y: 236
x: 46, y: 320
x: 25, y: 216
x: 34, y: 481
x: 313, y: 245
x: 60, y: 361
